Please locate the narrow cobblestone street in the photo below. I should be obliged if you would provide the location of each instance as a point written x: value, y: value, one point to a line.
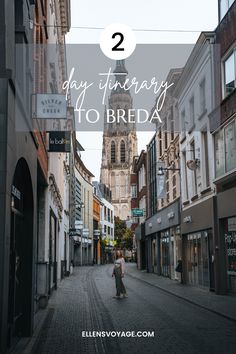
x: 84, y: 302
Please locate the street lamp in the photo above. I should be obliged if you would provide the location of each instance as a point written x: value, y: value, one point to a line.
x: 79, y: 205
x: 162, y: 169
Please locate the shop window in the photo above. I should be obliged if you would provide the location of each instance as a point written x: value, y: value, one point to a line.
x: 197, y: 256
x: 230, y: 251
x: 165, y: 254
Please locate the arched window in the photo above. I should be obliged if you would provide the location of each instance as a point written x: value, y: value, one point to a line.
x: 117, y: 120
x: 126, y: 111
x: 122, y: 180
x: 113, y: 184
x: 113, y: 152
x: 124, y: 212
x: 122, y: 151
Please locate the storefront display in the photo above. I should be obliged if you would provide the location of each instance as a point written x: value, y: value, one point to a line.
x: 230, y: 251
x: 197, y: 258
x: 164, y: 229
x: 165, y: 254
x: 199, y: 254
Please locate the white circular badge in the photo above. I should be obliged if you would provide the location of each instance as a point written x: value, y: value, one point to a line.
x: 117, y: 41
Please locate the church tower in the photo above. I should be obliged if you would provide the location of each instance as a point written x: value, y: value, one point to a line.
x: 119, y: 147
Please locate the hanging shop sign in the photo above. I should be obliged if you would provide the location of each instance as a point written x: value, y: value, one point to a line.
x: 187, y: 219
x: 79, y: 224
x: 50, y: 106
x: 73, y: 232
x: 85, y: 232
x: 232, y: 224
x: 59, y: 142
x: 96, y: 234
x: 171, y: 215
x: 16, y: 201
x: 15, y: 192
x: 137, y: 212
x: 161, y: 186
x: 161, y: 180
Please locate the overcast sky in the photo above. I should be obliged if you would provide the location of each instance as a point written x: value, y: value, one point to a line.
x: 192, y: 15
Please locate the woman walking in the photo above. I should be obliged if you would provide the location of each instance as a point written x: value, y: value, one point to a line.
x: 118, y: 272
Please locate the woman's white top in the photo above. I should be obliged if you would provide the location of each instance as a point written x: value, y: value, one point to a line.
x: 120, y: 263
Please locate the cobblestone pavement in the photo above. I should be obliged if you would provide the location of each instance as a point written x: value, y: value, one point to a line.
x: 84, y: 302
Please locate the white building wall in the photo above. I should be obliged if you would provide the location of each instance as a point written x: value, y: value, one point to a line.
x: 87, y: 218
x: 58, y: 161
x: 105, y: 223
x: 201, y: 70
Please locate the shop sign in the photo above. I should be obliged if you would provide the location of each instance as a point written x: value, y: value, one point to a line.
x: 177, y: 230
x: 85, y: 232
x: 79, y: 224
x: 187, y: 219
x: 86, y: 240
x: 137, y: 212
x: 59, y: 142
x: 77, y: 238
x: 161, y: 186
x: 232, y: 224
x: 230, y: 242
x: 50, y: 106
x: 73, y: 232
x: 171, y: 215
x: 16, y: 199
x: 16, y: 192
